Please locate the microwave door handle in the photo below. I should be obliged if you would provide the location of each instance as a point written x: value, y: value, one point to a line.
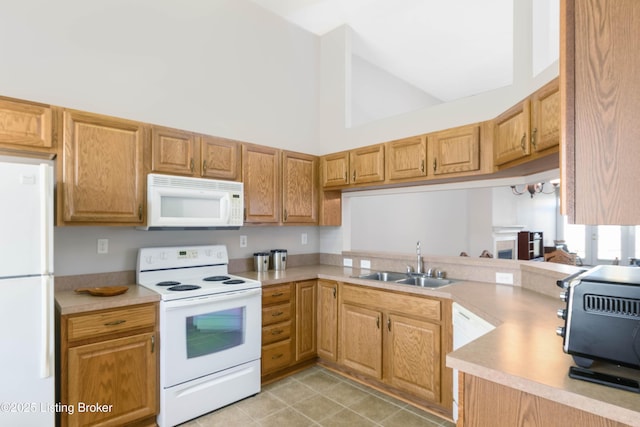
x: 192, y: 302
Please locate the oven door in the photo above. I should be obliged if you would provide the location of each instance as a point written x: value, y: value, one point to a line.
x: 203, y: 335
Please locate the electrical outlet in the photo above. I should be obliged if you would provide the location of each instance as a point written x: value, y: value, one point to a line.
x: 347, y: 262
x: 103, y: 246
x: 365, y: 263
x: 303, y: 238
x: 243, y: 241
x: 504, y: 278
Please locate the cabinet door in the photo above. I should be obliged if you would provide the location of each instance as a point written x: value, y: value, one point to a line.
x: 261, y: 184
x: 328, y: 320
x: 455, y: 150
x: 305, y: 320
x: 406, y: 158
x: 102, y: 175
x: 360, y: 345
x: 367, y: 164
x: 511, y: 141
x: 121, y: 373
x: 220, y: 158
x: 173, y: 151
x: 25, y: 124
x: 545, y: 117
x: 335, y: 169
x: 413, y: 356
x: 599, y: 94
x: 299, y: 188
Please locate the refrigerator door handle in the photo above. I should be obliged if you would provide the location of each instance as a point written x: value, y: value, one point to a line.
x: 46, y: 351
x: 46, y: 218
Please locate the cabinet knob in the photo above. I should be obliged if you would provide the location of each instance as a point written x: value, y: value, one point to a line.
x: 191, y: 165
x: 422, y: 165
x: 354, y: 176
x: 534, y: 133
x: 204, y: 165
x: 523, y: 142
x: 435, y: 164
x: 334, y: 292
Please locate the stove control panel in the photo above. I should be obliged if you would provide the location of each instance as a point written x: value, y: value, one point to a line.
x: 177, y: 257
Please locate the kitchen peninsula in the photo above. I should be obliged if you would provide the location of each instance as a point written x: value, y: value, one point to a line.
x: 522, y: 355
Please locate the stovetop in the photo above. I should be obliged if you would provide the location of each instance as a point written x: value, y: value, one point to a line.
x: 188, y: 271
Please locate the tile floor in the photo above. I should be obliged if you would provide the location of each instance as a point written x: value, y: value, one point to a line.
x: 318, y: 397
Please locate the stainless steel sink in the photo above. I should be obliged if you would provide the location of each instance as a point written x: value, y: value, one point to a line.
x: 385, y: 276
x: 413, y: 279
x: 424, y: 281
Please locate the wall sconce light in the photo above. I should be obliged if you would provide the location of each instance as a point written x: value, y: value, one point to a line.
x: 533, y: 189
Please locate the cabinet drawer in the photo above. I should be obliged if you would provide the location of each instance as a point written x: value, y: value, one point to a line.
x: 276, y: 294
x: 275, y: 356
x: 275, y: 314
x: 108, y: 322
x: 277, y: 332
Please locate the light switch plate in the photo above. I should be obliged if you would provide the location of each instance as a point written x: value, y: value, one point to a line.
x: 243, y: 241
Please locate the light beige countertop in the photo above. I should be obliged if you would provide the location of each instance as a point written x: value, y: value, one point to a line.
x: 70, y: 302
x: 523, y: 352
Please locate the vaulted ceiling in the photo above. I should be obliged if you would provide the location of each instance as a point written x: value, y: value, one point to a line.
x: 447, y: 49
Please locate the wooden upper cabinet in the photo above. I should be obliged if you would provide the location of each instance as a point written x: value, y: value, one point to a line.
x: 335, y: 169
x: 102, y: 170
x: 545, y: 117
x: 367, y: 164
x: 600, y: 89
x: 261, y: 178
x: 299, y: 188
x: 406, y: 158
x: 25, y: 125
x: 173, y: 151
x: 511, y: 141
x: 455, y: 150
x: 221, y: 158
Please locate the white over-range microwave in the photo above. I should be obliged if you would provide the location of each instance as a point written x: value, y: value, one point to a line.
x: 181, y: 202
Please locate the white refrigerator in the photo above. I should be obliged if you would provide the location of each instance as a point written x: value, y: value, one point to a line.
x: 27, y: 386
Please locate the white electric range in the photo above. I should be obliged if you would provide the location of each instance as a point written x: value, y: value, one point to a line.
x: 210, y: 329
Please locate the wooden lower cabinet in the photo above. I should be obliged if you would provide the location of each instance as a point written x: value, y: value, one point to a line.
x: 397, y: 340
x: 413, y: 356
x: 109, y: 358
x: 361, y: 339
x: 288, y: 328
x: 490, y: 404
x: 327, y: 332
x: 306, y: 320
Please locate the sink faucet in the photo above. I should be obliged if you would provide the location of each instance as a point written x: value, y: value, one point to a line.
x: 418, y: 258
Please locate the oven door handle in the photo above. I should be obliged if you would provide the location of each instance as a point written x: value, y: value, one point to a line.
x: 208, y: 299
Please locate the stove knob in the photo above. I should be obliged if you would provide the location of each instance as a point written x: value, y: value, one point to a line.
x: 560, y: 331
x: 564, y: 296
x: 562, y: 313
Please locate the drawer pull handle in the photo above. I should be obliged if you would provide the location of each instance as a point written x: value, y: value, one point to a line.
x: 115, y: 322
x: 279, y: 294
x: 277, y: 332
x: 153, y: 343
x: 277, y: 313
x: 276, y: 356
